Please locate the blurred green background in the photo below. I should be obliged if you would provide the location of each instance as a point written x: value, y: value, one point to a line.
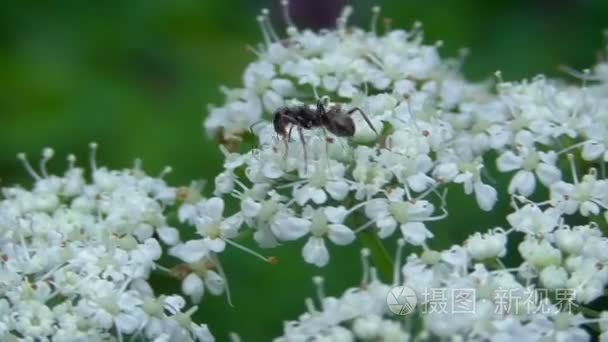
x: 136, y: 77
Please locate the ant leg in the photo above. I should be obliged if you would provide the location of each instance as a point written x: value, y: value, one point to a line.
x: 369, y: 123
x: 301, y: 132
x: 286, y: 140
x: 286, y: 148
x: 327, y: 138
x: 320, y: 107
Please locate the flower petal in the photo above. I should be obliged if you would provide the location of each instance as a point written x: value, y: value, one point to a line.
x: 486, y: 196
x: 315, y: 252
x: 216, y: 245
x: 340, y: 234
x: 168, y: 235
x: 415, y: 233
x: 288, y: 228
x: 215, y: 283
x: 337, y: 190
x: 213, y: 207
x: 386, y: 227
x: 548, y: 174
x: 193, y: 287
x: 335, y: 214
x: 508, y: 161
x: 523, y: 183
x: 190, y: 251
x: 249, y: 207
x: 419, y: 182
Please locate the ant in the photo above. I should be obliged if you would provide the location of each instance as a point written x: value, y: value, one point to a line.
x: 332, y: 118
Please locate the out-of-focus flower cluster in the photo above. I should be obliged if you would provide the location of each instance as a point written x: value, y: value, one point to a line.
x: 435, y: 130
x: 76, y: 255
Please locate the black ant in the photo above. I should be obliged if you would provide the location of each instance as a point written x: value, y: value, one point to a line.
x: 333, y: 118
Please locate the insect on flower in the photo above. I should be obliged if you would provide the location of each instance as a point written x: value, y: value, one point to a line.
x: 329, y: 117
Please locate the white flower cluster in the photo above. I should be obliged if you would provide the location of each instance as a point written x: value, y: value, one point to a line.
x: 362, y: 313
x: 289, y: 189
x: 435, y: 130
x: 76, y: 255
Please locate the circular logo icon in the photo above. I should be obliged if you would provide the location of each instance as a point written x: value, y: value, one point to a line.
x: 401, y: 300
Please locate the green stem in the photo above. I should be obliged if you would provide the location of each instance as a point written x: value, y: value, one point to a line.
x: 380, y: 257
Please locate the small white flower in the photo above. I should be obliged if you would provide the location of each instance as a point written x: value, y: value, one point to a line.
x: 489, y: 245
x: 553, y: 277
x: 528, y: 163
x: 530, y: 219
x: 211, y: 224
x: 190, y: 251
x: 323, y: 180
x: 469, y: 176
x: 326, y: 222
x: 192, y: 285
x: 393, y: 212
x: 540, y: 253
x: 586, y: 196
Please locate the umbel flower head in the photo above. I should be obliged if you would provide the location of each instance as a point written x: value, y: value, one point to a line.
x: 543, y: 139
x: 462, y: 309
x: 419, y: 105
x: 76, y: 253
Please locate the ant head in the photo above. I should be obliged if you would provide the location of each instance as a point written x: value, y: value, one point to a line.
x: 340, y: 124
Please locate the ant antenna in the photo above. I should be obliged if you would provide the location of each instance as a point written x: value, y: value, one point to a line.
x: 255, y: 124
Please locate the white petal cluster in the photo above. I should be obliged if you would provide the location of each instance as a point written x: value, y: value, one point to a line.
x: 521, y: 312
x: 435, y: 131
x: 76, y: 253
x: 359, y: 314
x: 416, y: 102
